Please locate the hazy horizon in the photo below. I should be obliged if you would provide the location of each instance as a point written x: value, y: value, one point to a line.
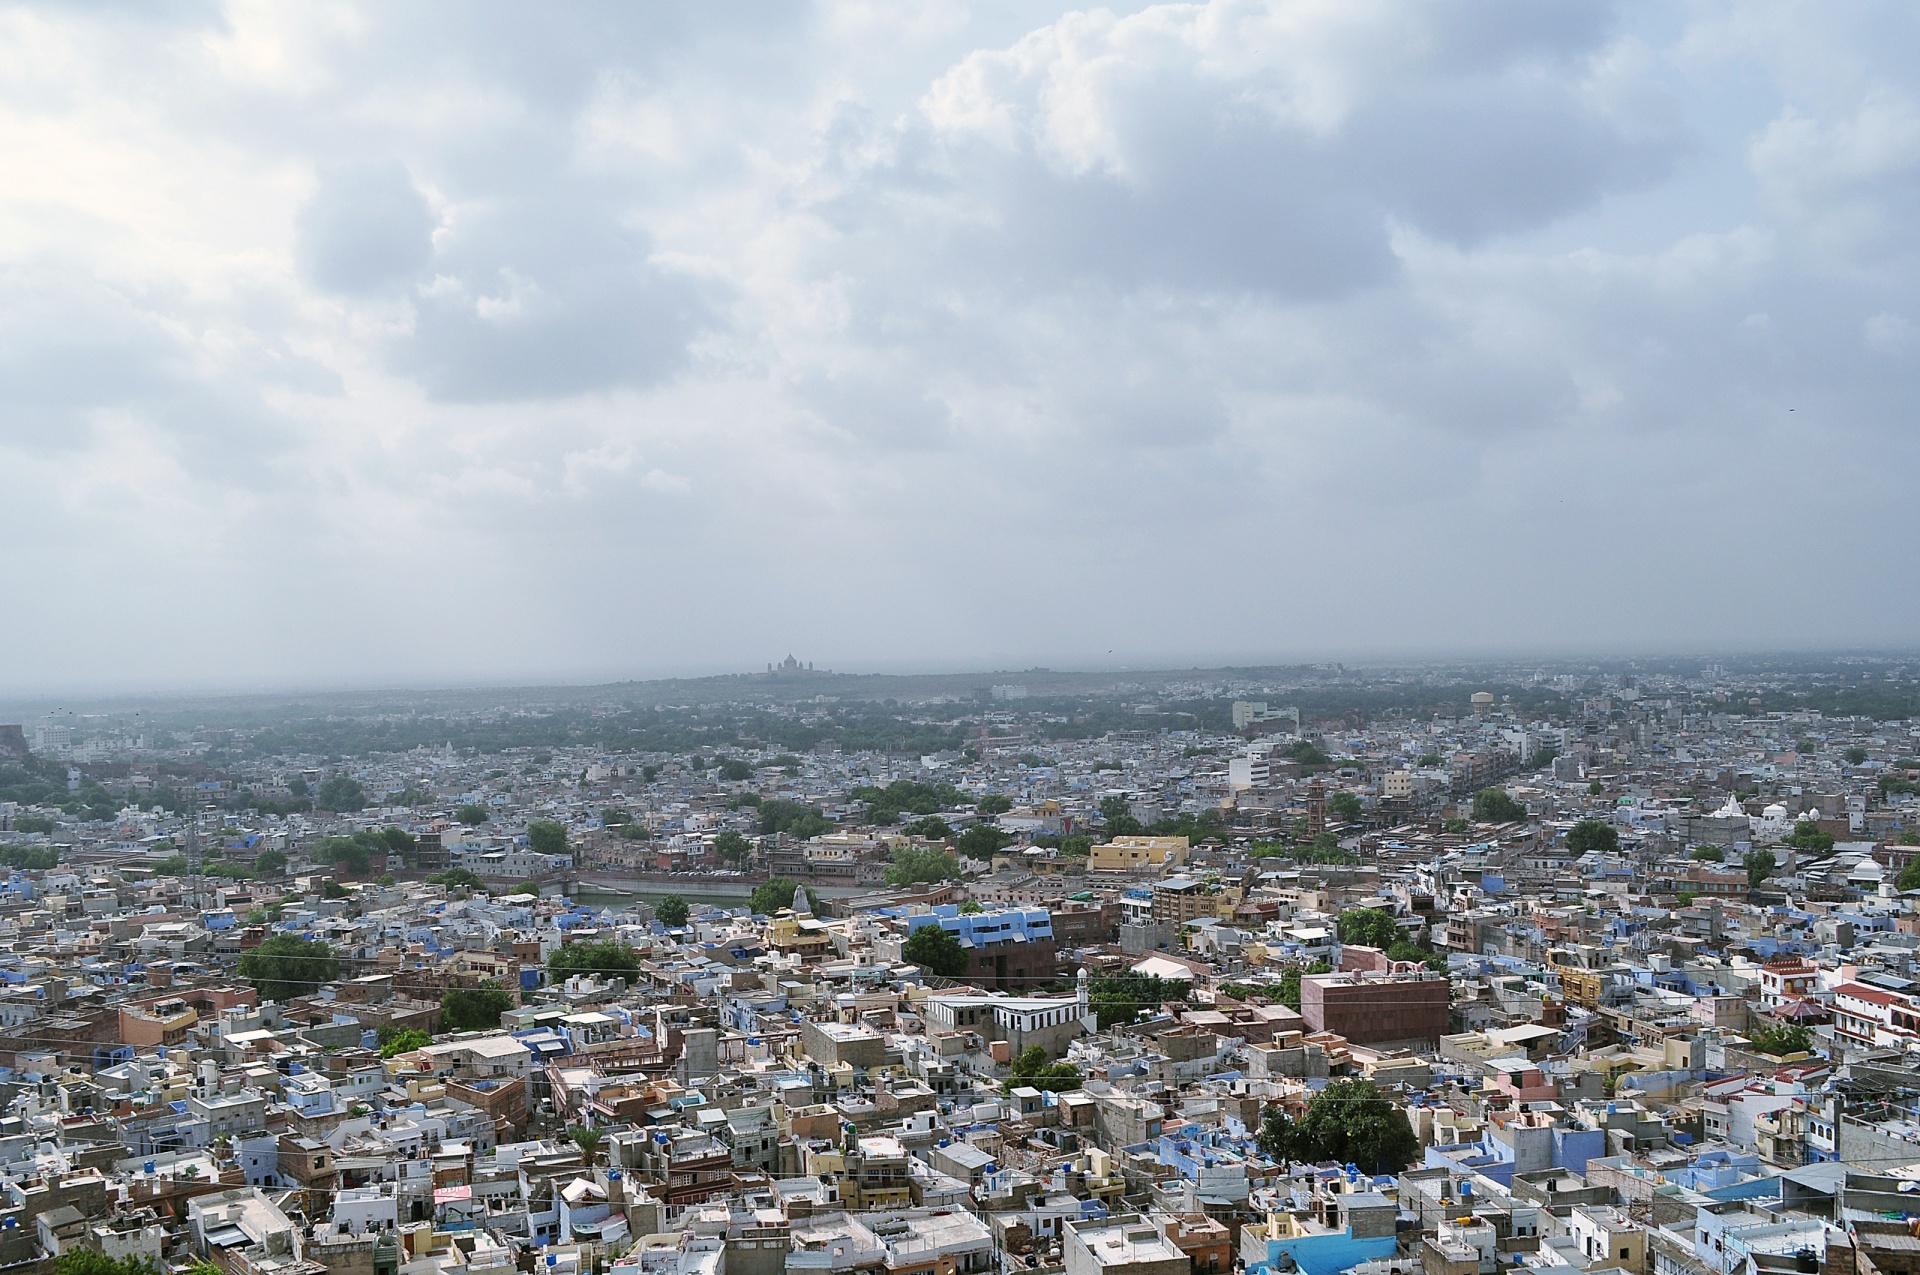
x: 424, y: 344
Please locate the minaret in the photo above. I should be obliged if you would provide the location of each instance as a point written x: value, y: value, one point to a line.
x: 800, y: 905
x: 1081, y: 983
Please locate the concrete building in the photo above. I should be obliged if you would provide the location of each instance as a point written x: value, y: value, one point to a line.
x: 1124, y: 1244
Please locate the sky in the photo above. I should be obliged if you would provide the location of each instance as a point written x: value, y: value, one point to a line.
x: 424, y: 343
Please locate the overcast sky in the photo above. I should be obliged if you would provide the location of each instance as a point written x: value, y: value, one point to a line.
x: 389, y: 342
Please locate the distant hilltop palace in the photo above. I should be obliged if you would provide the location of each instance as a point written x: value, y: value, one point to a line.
x: 791, y: 667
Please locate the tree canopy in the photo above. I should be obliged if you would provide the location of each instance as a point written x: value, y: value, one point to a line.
x: 933, y: 949
x: 1031, y: 1068
x: 672, y: 910
x: 1493, y: 805
x: 342, y: 793
x: 1344, y: 806
x: 770, y: 896
x: 797, y: 819
x: 394, y: 1043
x: 1119, y: 998
x: 733, y: 847
x: 907, y: 797
x: 471, y: 814
x: 547, y: 837
x: 1369, y: 927
x: 1759, y: 864
x: 1591, y: 836
x: 1349, y: 1121
x: 607, y: 960
x: 472, y: 1009
x: 91, y: 1261
x: 1808, y: 835
x: 1781, y: 1039
x: 982, y: 841
x: 912, y: 866
x: 286, y: 966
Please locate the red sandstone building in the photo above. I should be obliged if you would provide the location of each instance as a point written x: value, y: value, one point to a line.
x: 1371, y: 1009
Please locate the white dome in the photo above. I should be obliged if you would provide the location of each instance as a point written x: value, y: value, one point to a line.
x: 1775, y: 811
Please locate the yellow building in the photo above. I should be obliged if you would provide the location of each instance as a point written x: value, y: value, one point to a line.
x: 801, y: 936
x: 1124, y: 854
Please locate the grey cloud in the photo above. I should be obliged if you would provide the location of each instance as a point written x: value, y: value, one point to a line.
x: 540, y: 297
x: 368, y: 227
x: 1473, y: 136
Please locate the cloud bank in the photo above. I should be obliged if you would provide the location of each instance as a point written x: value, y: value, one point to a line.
x: 379, y: 343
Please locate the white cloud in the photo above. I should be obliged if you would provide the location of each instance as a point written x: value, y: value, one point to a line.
x: 1233, y: 328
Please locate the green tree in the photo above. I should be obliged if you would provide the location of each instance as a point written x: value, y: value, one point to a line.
x: 1120, y: 998
x: 331, y: 889
x: 1427, y: 760
x: 1781, y: 1039
x: 1595, y: 788
x: 474, y: 1009
x: 933, y: 828
x: 734, y: 771
x: 457, y: 877
x: 1855, y: 755
x: 981, y: 841
x: 1543, y: 757
x: 344, y: 853
x: 1369, y: 927
x: 1591, y: 836
x: 935, y: 950
x: 1402, y: 950
x: 606, y: 960
x: 1758, y: 863
x: 613, y: 817
x: 1708, y: 854
x: 907, y: 797
x: 1344, y: 806
x: 286, y: 966
x: 1454, y: 826
x: 1808, y: 835
x: 797, y: 819
x: 1276, y: 1136
x: 1351, y: 1121
x: 546, y: 837
x: 969, y: 908
x: 1493, y: 805
x: 270, y: 863
x: 471, y: 815
x: 672, y: 910
x: 1909, y: 878
x: 770, y: 896
x: 91, y: 1261
x: 912, y: 866
x: 733, y: 848
x: 1118, y: 819
x: 399, y: 843
x: 343, y: 794
x: 588, y: 1140
x: 402, y: 1042
x: 1031, y: 1068
x: 994, y: 803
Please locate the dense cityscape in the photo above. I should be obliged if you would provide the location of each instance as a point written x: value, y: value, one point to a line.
x: 1454, y: 968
